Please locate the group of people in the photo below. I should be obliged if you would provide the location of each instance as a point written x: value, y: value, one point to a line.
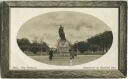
x: 71, y: 51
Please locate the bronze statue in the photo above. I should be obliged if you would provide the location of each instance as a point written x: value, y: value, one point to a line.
x: 61, y: 33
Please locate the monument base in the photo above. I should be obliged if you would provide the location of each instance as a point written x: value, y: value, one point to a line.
x: 63, y: 48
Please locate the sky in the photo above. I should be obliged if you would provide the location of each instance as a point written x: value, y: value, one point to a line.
x: 77, y: 27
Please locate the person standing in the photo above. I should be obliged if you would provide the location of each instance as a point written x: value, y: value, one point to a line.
x: 50, y: 54
x: 71, y: 56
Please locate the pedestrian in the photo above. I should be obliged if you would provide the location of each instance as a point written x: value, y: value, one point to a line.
x: 71, y: 56
x: 50, y: 54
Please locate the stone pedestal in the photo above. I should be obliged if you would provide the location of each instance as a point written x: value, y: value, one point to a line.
x: 63, y: 47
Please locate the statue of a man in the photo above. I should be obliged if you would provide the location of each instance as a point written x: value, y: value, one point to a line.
x: 61, y: 33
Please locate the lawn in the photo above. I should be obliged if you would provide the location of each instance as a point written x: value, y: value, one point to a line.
x: 65, y: 60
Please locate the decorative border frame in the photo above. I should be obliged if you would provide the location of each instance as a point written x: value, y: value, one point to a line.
x: 122, y: 47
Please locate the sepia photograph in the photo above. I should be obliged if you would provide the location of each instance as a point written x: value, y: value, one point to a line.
x: 64, y: 38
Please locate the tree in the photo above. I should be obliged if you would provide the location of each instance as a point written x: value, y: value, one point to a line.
x: 108, y: 39
x: 102, y: 40
x: 24, y: 44
x: 39, y: 47
x: 35, y: 47
x: 45, y: 47
x: 81, y: 46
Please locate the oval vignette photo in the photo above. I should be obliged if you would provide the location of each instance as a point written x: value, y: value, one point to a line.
x: 64, y: 38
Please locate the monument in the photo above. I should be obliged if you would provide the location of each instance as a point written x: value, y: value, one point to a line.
x: 63, y: 45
